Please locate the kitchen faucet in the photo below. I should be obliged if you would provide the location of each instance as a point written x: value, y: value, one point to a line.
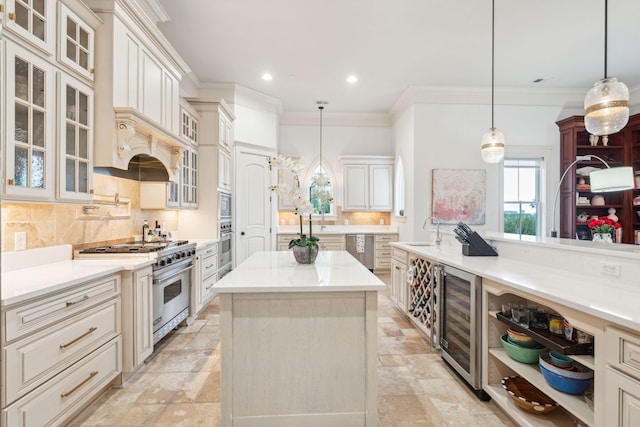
x: 438, y: 237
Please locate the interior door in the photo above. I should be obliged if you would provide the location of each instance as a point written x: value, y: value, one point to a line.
x: 253, y: 211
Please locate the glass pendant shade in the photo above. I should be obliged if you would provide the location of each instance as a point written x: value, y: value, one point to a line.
x: 493, y: 146
x: 606, y: 107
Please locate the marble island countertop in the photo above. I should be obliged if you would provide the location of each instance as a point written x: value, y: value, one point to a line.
x: 277, y: 271
x: 598, y: 295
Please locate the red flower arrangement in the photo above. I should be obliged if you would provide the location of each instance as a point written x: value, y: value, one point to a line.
x: 603, y: 225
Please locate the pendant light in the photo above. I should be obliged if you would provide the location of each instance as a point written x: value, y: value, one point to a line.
x: 606, y: 104
x: 493, y: 140
x: 322, y: 190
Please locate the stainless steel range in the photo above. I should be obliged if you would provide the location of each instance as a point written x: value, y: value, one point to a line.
x: 171, y: 277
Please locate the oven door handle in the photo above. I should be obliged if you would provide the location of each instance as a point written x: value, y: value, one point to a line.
x: 170, y: 276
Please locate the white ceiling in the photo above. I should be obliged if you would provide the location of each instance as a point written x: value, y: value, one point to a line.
x: 310, y: 47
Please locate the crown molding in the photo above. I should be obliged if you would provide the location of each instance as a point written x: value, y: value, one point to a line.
x: 336, y: 119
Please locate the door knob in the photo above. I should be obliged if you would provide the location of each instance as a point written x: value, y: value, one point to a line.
x: 242, y: 233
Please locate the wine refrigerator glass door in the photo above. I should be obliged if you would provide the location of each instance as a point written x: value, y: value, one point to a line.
x: 460, y: 323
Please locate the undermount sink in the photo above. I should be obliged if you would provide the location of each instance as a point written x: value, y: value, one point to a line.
x: 420, y: 244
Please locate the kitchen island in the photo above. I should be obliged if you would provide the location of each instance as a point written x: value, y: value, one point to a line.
x: 299, y: 342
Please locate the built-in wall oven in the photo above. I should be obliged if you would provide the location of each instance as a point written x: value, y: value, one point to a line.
x: 225, y: 248
x: 460, y: 324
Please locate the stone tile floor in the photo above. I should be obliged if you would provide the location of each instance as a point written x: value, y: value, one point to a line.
x: 180, y: 385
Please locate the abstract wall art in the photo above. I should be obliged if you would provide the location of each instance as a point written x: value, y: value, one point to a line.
x: 458, y: 195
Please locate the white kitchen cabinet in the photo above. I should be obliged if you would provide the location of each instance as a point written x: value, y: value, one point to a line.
x: 189, y: 123
x: 368, y: 183
x: 189, y: 179
x: 60, y: 350
x: 137, y: 318
x: 75, y: 42
x: 224, y: 170
x: 30, y: 143
x: 33, y: 21
x: 159, y: 195
x: 622, y: 377
x: 204, y: 276
x: 383, y: 251
x: 327, y: 242
x: 75, y: 162
x: 399, y: 279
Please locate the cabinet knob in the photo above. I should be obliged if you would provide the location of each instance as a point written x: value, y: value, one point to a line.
x: 12, y: 16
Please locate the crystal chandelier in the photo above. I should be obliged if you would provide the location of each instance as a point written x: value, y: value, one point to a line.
x: 493, y: 139
x: 606, y: 104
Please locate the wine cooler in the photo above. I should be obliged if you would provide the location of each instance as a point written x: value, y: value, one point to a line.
x: 460, y: 324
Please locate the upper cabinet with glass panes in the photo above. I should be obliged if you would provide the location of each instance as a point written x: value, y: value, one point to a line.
x: 76, y: 41
x: 33, y: 21
x: 48, y: 127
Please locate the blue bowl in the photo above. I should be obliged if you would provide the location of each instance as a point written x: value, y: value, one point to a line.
x: 564, y: 384
x: 560, y: 359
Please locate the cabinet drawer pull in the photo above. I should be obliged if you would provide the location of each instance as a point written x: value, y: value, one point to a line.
x: 209, y: 287
x: 68, y: 393
x: 84, y: 298
x: 91, y: 329
x: 12, y: 16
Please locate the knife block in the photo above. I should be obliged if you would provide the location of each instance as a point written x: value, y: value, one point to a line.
x: 477, y: 246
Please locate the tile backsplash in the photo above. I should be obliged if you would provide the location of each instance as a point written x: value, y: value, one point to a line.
x: 49, y: 224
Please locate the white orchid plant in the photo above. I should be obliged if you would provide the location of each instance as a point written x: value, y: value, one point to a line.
x: 302, y: 204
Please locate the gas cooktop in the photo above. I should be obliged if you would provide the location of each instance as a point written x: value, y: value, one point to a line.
x: 135, y: 247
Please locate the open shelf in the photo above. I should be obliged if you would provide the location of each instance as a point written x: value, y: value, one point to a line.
x: 552, y: 341
x: 501, y: 398
x: 575, y: 404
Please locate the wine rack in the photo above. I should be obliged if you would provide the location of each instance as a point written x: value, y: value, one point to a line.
x: 424, y: 279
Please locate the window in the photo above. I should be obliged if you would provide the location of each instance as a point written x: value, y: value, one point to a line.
x: 321, y: 191
x: 522, y: 183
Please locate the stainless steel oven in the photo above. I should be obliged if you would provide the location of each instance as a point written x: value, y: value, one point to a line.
x: 460, y: 324
x: 225, y: 249
x: 171, y: 290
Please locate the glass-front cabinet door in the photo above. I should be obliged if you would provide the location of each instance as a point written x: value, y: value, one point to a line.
x: 76, y: 43
x: 34, y: 21
x: 29, y: 138
x: 189, y: 179
x: 76, y: 140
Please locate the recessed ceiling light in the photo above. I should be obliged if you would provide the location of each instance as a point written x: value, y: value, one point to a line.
x: 267, y: 77
x: 352, y: 79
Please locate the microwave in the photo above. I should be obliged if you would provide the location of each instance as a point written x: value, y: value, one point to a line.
x: 225, y: 205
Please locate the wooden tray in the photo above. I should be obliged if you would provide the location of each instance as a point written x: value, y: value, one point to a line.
x: 527, y: 396
x: 552, y: 341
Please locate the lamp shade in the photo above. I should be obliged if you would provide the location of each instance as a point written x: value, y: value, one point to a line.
x: 606, y: 107
x: 611, y: 179
x: 493, y: 146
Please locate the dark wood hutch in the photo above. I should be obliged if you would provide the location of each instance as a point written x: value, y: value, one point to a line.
x: 623, y: 149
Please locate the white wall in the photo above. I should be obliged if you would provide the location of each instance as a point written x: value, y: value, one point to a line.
x: 447, y: 136
x: 403, y: 135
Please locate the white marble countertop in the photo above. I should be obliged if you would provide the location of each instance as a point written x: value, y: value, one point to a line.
x: 595, y: 295
x: 45, y: 270
x: 278, y: 271
x: 339, y: 229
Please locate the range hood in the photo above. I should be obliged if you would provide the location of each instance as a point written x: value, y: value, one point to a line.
x: 142, y: 167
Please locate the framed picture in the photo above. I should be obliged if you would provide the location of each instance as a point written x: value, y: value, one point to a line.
x: 458, y: 195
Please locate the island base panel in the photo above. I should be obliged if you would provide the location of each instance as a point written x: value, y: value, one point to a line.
x: 299, y: 358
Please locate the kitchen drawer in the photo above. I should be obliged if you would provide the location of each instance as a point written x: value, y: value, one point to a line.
x: 209, y: 266
x: 53, y: 309
x: 383, y: 263
x: 69, y: 391
x: 33, y: 360
x: 384, y: 253
x: 208, y: 288
x: 383, y: 245
x: 286, y: 238
x: 623, y: 351
x: 282, y: 247
x: 209, y: 250
x: 399, y: 255
x: 386, y: 238
x: 332, y: 246
x: 332, y: 238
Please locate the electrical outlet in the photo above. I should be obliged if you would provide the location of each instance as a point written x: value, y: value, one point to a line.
x: 282, y: 221
x: 381, y: 221
x: 346, y: 222
x: 610, y: 269
x: 21, y: 240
